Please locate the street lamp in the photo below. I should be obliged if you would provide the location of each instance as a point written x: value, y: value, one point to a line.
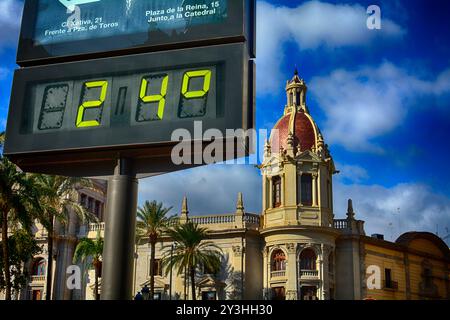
x: 170, y: 280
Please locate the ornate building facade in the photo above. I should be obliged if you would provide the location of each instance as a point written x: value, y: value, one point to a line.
x: 296, y: 248
x: 66, y: 238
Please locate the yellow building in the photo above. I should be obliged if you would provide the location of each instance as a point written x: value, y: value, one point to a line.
x: 65, y: 241
x: 295, y: 248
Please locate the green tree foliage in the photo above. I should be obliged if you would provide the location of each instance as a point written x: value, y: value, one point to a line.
x: 18, y: 200
x: 57, y: 198
x: 22, y: 247
x: 192, y: 251
x: 90, y: 252
x: 152, y: 222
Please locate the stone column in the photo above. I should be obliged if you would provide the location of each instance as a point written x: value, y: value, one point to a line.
x: 238, y: 269
x: 264, y: 194
x: 266, y: 271
x: 314, y: 189
x: 270, y: 193
x: 325, y: 279
x: 299, y: 187
x: 291, y: 272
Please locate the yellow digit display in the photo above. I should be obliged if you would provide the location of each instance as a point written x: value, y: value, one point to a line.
x: 80, y: 123
x: 160, y: 98
x: 206, y: 74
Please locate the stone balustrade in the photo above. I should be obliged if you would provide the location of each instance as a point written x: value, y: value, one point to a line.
x: 340, y: 224
x: 94, y: 227
x: 278, y: 274
x: 249, y: 220
x: 38, y: 278
x: 215, y: 219
x: 310, y: 274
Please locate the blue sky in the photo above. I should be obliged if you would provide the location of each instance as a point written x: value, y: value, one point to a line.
x: 381, y: 98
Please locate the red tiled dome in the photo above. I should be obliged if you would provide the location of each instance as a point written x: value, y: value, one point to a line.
x: 304, y: 133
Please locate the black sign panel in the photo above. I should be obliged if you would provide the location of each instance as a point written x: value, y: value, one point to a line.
x: 88, y: 112
x: 66, y: 30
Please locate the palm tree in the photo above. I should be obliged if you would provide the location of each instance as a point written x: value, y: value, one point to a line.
x: 192, y: 251
x: 152, y: 223
x: 86, y: 249
x: 57, y: 198
x: 17, y: 195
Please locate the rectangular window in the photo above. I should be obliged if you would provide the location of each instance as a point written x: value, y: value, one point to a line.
x: 276, y: 192
x: 388, y: 278
x: 90, y: 205
x: 83, y: 200
x: 427, y: 275
x: 97, y: 208
x: 306, y: 189
x: 157, y: 269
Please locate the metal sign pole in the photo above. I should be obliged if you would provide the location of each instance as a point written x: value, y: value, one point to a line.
x: 120, y: 223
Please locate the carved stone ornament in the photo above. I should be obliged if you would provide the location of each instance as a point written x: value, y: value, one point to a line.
x: 237, y: 251
x: 291, y: 247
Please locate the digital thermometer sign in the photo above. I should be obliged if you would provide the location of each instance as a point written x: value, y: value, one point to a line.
x: 90, y: 111
x: 62, y: 30
x: 162, y: 95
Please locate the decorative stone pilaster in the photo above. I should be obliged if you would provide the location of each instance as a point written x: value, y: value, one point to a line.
x: 291, y: 272
x: 266, y: 274
x: 314, y: 189
x: 291, y: 295
x: 237, y: 251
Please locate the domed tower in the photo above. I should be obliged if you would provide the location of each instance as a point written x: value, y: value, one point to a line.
x: 297, y: 203
x: 297, y: 168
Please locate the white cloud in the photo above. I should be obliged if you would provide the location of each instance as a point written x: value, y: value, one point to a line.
x: 10, y: 17
x: 311, y: 25
x: 351, y: 173
x: 210, y: 190
x: 369, y: 102
x: 392, y: 211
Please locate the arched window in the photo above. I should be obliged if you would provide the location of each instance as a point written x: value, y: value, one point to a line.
x: 278, y: 260
x: 308, y: 260
x: 39, y: 267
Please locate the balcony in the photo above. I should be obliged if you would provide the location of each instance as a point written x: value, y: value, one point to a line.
x: 93, y: 227
x: 38, y: 279
x: 278, y: 274
x: 309, y: 274
x: 340, y: 224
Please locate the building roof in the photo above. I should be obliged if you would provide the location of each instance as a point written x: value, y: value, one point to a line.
x: 304, y: 133
x: 406, y: 239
